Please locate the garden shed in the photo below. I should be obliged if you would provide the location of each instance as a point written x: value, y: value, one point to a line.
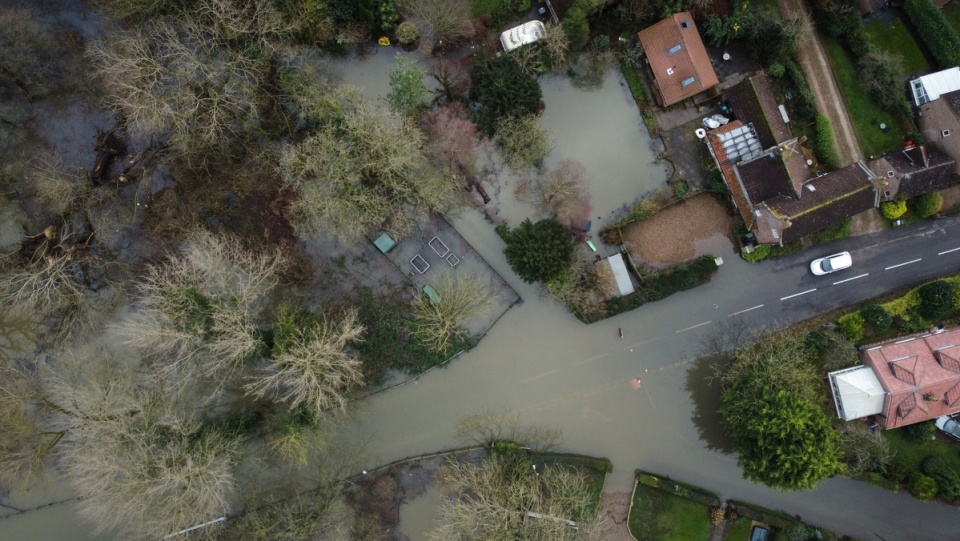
x: 620, y: 274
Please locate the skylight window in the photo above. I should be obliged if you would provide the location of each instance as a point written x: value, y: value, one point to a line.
x: 684, y: 24
x: 675, y: 49
x: 688, y: 81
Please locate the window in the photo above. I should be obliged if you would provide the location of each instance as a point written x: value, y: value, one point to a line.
x: 945, y: 133
x: 675, y: 49
x: 684, y: 24
x: 687, y: 82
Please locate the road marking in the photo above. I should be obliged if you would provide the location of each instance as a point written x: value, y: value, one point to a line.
x: 747, y: 310
x: 798, y: 294
x: 591, y: 359
x: 902, y: 264
x: 694, y: 327
x: 631, y: 346
x: 854, y: 278
x: 537, y: 376
x: 948, y: 251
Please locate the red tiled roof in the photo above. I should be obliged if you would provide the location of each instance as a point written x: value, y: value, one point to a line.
x: 919, y: 375
x: 726, y: 170
x: 675, y: 54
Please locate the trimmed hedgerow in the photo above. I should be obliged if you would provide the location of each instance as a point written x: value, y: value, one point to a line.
x: 654, y: 288
x: 892, y: 210
x: 826, y: 150
x: 941, y: 39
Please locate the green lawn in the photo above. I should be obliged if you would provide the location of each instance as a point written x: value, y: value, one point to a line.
x: 910, y: 453
x: 865, y: 114
x: 738, y: 530
x: 660, y: 516
x: 894, y: 38
x: 952, y: 12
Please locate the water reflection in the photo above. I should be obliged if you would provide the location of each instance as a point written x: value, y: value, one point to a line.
x: 704, y: 390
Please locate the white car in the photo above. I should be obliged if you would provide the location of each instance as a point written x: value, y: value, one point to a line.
x: 831, y: 263
x: 948, y: 426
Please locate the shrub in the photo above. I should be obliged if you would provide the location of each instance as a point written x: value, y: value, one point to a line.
x: 877, y: 317
x: 539, y: 252
x: 892, y: 210
x: 928, y: 204
x: 936, y: 299
x: 576, y: 27
x: 851, y: 325
x: 407, y: 33
x: 826, y: 150
x: 922, y: 487
x: 919, y: 432
x: 880, y: 74
x: 759, y: 253
x: 948, y: 483
x: 941, y: 39
x: 682, y: 277
x: 803, y: 103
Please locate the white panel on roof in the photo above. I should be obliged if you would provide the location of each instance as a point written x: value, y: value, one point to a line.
x: 930, y: 87
x: 620, y: 274
x: 856, y: 392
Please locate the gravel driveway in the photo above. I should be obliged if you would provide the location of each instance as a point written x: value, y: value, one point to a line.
x: 680, y: 232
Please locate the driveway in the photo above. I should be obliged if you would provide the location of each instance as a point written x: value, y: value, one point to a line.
x: 820, y: 78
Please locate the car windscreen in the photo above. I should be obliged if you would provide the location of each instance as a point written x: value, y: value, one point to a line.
x: 826, y: 266
x: 952, y: 427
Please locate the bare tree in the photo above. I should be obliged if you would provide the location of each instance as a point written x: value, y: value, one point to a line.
x: 43, y: 285
x: 249, y: 21
x: 55, y: 186
x: 452, y: 80
x: 451, y: 137
x: 200, y: 309
x: 365, y: 170
x: 448, y: 20
x: 524, y: 142
x: 864, y: 450
x: 488, y: 427
x: 315, y: 367
x: 497, y: 499
x: 563, y: 194
x: 584, y: 288
x: 179, y: 78
x: 556, y: 44
x: 25, y: 445
x: 439, y: 324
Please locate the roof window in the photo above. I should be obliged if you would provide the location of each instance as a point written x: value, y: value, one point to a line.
x: 675, y: 49
x: 684, y: 24
x: 945, y: 133
x: 688, y: 81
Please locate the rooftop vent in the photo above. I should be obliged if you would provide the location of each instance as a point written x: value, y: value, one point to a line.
x: 669, y: 71
x: 811, y: 187
x: 890, y: 173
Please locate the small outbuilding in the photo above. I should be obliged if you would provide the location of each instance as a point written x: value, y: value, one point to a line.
x: 620, y: 274
x: 930, y: 87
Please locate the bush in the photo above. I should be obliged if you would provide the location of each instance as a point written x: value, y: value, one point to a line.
x: 576, y: 27
x: 826, y: 150
x: 407, y: 33
x: 851, y: 325
x: 759, y: 253
x: 892, y: 210
x: 928, y: 204
x: 539, y: 252
x: 922, y: 487
x: 919, y: 432
x: 881, y: 74
x: 804, y: 106
x: 936, y: 300
x: 948, y: 483
x: 877, y: 317
x: 941, y: 39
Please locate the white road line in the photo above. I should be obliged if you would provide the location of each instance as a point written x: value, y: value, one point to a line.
x: 747, y: 310
x: 798, y: 294
x: 902, y: 264
x: 854, y: 278
x: 948, y: 251
x: 695, y: 326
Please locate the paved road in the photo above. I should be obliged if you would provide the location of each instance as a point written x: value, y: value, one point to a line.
x: 550, y: 368
x: 816, y: 67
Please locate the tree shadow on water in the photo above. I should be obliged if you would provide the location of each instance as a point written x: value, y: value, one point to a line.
x: 704, y: 390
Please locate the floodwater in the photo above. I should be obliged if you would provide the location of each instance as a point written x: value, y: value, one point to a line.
x: 417, y: 515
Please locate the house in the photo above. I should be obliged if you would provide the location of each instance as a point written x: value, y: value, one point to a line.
x: 676, y: 56
x: 919, y: 376
x: 939, y: 122
x: 778, y: 196
x: 913, y: 171
x: 519, y: 36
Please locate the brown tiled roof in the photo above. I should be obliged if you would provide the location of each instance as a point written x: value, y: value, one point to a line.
x: 690, y: 60
x: 916, y: 171
x: 751, y: 101
x: 835, y: 197
x: 765, y: 177
x: 907, y: 402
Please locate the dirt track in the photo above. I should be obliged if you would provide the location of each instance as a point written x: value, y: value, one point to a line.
x: 820, y: 77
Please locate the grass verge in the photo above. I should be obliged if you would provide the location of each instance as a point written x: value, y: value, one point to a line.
x: 894, y: 38
x: 662, y: 516
x: 911, y: 453
x: 864, y: 113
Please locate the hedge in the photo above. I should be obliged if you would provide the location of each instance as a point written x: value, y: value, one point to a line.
x: 941, y: 38
x: 826, y: 150
x: 851, y: 325
x: 654, y: 288
x: 928, y: 204
x: 892, y: 210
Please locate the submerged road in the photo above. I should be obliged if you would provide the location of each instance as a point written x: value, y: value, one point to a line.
x: 542, y: 363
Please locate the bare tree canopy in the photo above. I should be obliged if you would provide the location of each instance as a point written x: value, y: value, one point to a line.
x: 448, y: 20
x: 440, y: 324
x: 488, y: 427
x: 312, y: 364
x: 364, y: 170
x: 200, y: 309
